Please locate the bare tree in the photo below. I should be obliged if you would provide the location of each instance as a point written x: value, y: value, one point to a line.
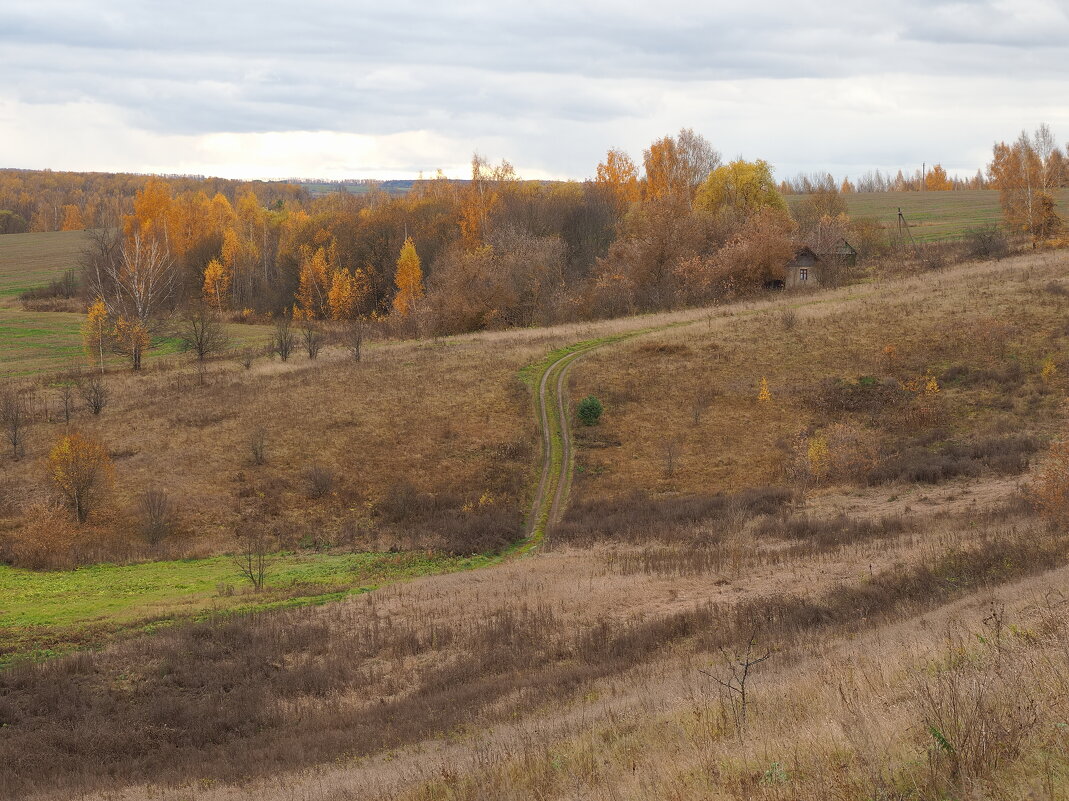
x: 320, y: 480
x: 95, y: 394
x: 202, y: 333
x: 700, y: 401
x: 15, y: 418
x: 283, y: 339
x: 670, y: 447
x: 157, y: 515
x: 65, y: 391
x: 258, y: 445
x: 312, y: 338
x: 739, y: 665
x: 697, y: 156
x: 246, y: 356
x: 253, y: 557
x: 352, y: 334
x: 137, y: 280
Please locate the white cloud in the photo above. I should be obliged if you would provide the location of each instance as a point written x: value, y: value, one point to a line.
x: 335, y: 89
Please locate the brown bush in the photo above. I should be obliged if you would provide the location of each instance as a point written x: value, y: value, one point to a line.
x: 824, y: 534
x: 640, y: 518
x: 1006, y: 455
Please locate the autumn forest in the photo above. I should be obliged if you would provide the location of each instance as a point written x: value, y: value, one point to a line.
x: 495, y: 251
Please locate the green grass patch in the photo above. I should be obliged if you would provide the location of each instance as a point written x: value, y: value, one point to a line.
x: 43, y: 613
x: 932, y: 216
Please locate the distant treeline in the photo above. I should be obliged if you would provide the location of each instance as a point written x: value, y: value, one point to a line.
x: 492, y: 251
x: 43, y: 200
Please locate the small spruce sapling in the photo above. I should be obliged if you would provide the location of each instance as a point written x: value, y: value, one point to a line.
x: 589, y: 410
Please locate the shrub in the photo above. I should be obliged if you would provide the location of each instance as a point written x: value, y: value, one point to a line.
x: 589, y: 410
x: 320, y: 480
x: 283, y: 340
x: 156, y: 516
x: 639, y: 518
x: 258, y: 445
x: 95, y: 394
x: 986, y: 242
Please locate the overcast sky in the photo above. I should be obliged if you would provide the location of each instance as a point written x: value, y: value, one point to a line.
x: 323, y: 88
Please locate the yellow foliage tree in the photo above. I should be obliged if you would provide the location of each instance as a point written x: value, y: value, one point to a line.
x: 742, y: 187
x: 95, y: 331
x: 408, y: 279
x: 1050, y: 370
x: 152, y: 212
x: 82, y: 472
x: 937, y: 181
x: 216, y: 283
x: 132, y: 338
x: 619, y: 176
x: 347, y: 292
x: 314, y: 283
x: 72, y: 218
x: 819, y: 456
x: 765, y: 395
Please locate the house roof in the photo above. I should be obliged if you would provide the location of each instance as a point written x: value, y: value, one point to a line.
x: 804, y: 252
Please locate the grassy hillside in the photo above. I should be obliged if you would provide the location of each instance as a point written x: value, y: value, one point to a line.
x: 932, y: 216
x: 867, y: 526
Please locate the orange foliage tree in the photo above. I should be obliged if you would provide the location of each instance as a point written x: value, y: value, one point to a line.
x: 1023, y: 178
x: 619, y: 176
x: 676, y: 166
x: 937, y: 181
x: 348, y: 291
x: 314, y: 283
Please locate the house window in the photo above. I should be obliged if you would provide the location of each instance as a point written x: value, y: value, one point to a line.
x: 803, y: 273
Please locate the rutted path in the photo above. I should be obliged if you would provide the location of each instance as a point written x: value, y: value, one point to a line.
x: 549, y: 381
x: 552, y: 408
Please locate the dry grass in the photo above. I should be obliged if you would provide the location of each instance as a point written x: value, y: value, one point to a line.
x: 429, y: 444
x: 983, y: 332
x: 502, y: 677
x: 583, y: 671
x: 339, y: 438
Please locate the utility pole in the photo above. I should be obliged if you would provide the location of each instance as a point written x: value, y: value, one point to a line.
x: 903, y: 228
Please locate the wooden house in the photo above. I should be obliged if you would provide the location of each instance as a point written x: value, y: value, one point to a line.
x: 842, y: 254
x: 803, y: 270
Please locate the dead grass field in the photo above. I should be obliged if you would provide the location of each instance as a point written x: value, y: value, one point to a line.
x: 917, y: 631
x: 574, y: 674
x: 983, y: 333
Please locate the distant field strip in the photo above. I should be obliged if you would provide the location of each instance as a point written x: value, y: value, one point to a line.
x: 932, y: 216
x: 34, y: 342
x: 32, y: 260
